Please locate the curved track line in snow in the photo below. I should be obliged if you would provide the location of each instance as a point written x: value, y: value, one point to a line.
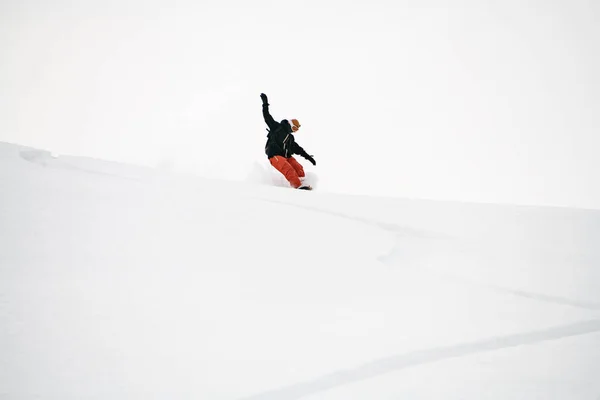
x: 522, y: 293
x: 398, y: 362
x: 546, y: 298
x: 564, y: 301
x: 392, y: 228
x: 401, y: 232
x: 394, y: 363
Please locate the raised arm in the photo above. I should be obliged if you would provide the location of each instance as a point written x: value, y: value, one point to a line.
x: 265, y: 109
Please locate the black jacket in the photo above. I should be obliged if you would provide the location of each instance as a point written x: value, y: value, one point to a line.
x: 280, y: 141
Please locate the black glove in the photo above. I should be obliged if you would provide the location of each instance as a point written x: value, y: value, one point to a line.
x: 311, y: 159
x: 264, y: 99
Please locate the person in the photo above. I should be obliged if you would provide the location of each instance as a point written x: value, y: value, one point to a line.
x: 281, y: 147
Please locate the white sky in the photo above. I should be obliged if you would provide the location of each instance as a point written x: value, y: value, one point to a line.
x: 467, y: 100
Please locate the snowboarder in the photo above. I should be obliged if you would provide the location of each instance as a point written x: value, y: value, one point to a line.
x: 281, y: 146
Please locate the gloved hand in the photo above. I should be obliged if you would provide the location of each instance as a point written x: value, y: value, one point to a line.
x: 311, y: 159
x: 264, y: 99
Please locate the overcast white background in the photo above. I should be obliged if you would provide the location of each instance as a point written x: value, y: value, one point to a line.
x: 466, y: 100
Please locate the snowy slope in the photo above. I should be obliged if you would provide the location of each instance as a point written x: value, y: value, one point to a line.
x: 122, y: 282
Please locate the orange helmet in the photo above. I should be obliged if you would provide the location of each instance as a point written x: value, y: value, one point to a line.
x: 295, y: 125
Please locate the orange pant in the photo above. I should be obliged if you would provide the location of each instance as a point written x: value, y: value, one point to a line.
x: 290, y: 168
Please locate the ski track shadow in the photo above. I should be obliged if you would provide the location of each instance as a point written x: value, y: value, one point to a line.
x: 399, y: 249
x: 401, y: 232
x: 398, y: 362
x: 536, y: 296
x: 394, y: 363
x: 392, y: 228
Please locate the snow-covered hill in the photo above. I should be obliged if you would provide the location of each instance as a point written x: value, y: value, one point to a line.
x: 119, y: 282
